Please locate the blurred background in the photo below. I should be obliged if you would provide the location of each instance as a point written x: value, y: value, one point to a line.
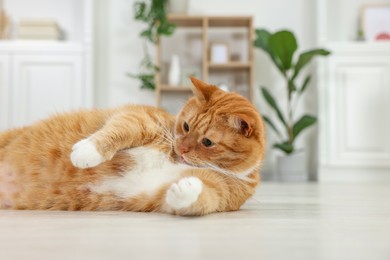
x: 319, y: 70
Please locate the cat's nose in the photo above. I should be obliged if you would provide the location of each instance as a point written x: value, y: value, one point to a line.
x: 184, y: 149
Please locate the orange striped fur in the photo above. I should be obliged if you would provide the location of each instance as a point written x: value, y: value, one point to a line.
x: 137, y: 158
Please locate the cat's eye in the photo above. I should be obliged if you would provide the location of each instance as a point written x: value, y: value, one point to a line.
x: 186, y: 127
x: 207, y: 142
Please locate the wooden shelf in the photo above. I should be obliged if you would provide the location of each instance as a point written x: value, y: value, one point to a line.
x: 186, y: 21
x: 169, y: 88
x: 213, y: 21
x: 230, y: 21
x: 207, y: 25
x: 230, y: 65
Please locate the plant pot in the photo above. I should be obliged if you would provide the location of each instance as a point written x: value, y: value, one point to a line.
x: 292, y: 168
x: 178, y: 6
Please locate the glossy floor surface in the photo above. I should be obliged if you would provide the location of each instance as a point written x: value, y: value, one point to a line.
x: 283, y: 221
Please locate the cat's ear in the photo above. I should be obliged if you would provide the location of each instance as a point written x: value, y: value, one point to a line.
x: 244, y: 124
x: 202, y: 90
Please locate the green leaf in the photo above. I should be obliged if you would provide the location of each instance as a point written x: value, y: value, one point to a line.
x: 285, y: 147
x: 306, y: 57
x: 271, y: 101
x: 140, y: 11
x: 147, y: 81
x: 153, y: 14
x: 283, y: 44
x: 272, y: 125
x: 166, y: 28
x: 303, y: 123
x: 262, y: 39
x: 305, y: 84
x: 291, y: 86
x: 262, y: 42
x: 146, y: 33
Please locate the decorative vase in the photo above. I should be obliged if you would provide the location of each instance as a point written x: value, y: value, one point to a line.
x: 178, y: 6
x: 292, y: 168
x: 174, y: 71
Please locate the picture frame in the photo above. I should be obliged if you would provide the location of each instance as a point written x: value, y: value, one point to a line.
x: 375, y: 22
x: 219, y: 52
x: 187, y: 72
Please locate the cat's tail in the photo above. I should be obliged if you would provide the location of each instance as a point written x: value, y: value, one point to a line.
x: 7, y: 136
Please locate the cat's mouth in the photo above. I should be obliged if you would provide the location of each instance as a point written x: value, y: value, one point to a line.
x: 182, y: 159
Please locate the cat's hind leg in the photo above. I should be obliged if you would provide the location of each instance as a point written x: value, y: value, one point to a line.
x: 8, y: 186
x: 9, y: 136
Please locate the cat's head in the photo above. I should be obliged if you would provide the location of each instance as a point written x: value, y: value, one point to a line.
x: 219, y: 130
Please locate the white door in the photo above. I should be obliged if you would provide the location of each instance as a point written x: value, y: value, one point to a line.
x: 45, y: 85
x: 4, y: 91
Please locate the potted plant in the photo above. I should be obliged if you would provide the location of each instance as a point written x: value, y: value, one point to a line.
x: 281, y: 47
x: 154, y: 14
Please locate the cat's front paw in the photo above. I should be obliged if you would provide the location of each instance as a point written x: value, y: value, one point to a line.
x: 183, y: 193
x: 85, y: 155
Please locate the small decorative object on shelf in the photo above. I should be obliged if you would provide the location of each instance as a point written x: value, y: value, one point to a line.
x: 178, y: 6
x: 360, y: 36
x: 174, y: 71
x: 219, y: 52
x: 376, y: 22
x: 38, y: 29
x: 4, y: 24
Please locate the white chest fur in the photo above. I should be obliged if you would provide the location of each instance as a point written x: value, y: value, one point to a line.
x: 152, y: 170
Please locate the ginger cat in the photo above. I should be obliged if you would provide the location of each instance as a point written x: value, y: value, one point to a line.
x: 137, y: 158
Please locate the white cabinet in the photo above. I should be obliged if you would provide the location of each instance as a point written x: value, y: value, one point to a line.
x: 44, y: 85
x: 355, y: 113
x: 354, y: 96
x: 4, y: 91
x: 39, y: 78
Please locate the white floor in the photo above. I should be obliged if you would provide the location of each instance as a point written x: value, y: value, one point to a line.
x: 284, y: 221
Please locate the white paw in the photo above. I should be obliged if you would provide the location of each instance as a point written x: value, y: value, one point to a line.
x: 183, y: 193
x: 85, y: 155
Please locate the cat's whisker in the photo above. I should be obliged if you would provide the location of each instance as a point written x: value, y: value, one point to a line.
x: 238, y: 176
x: 164, y: 137
x: 164, y: 127
x: 162, y: 131
x: 168, y: 135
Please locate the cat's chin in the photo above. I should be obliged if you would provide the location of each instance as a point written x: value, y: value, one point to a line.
x: 183, y: 160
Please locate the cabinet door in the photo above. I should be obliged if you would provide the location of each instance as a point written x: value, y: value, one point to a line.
x: 45, y: 85
x: 4, y: 91
x: 358, y: 107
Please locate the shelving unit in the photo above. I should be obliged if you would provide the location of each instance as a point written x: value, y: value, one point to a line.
x: 206, y: 29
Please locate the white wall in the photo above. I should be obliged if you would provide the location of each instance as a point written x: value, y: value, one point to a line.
x: 119, y: 50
